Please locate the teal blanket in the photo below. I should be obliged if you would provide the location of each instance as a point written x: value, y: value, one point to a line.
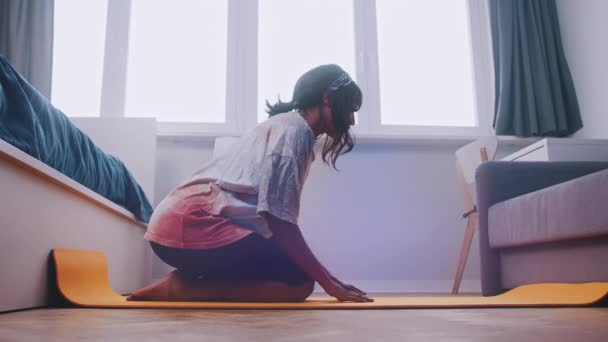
x: 29, y: 122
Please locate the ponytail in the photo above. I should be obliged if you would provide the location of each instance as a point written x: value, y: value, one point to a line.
x: 280, y: 107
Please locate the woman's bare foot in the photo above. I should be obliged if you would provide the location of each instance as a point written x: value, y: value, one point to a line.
x: 168, y: 289
x: 177, y: 288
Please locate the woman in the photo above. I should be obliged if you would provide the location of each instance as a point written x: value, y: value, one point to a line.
x: 231, y: 231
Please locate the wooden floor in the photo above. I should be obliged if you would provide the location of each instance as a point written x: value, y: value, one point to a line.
x: 562, y: 324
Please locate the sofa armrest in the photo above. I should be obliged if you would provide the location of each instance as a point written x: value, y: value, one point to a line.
x: 499, y: 181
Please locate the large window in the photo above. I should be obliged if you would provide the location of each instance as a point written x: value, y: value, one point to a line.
x: 425, y: 63
x: 288, y: 48
x: 78, y: 52
x: 177, y: 60
x: 207, y: 67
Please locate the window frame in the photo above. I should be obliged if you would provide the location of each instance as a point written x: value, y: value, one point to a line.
x: 242, y: 72
x: 482, y: 70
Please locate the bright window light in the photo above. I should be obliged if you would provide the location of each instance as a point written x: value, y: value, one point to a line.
x: 288, y: 47
x: 425, y: 62
x: 78, y: 52
x: 176, y: 68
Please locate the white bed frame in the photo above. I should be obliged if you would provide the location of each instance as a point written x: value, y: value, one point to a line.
x: 41, y: 209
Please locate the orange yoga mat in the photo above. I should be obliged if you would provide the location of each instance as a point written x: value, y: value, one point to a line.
x: 82, y: 278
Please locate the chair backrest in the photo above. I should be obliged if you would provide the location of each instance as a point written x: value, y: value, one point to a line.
x: 470, y: 156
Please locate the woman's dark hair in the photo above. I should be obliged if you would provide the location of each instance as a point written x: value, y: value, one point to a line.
x: 345, y: 98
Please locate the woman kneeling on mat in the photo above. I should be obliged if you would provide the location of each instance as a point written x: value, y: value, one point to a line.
x: 231, y: 231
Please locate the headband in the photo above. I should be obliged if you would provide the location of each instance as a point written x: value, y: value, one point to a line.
x: 340, y: 82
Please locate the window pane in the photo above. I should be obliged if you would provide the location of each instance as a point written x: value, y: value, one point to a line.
x: 78, y: 50
x: 177, y: 60
x: 288, y: 48
x: 425, y: 61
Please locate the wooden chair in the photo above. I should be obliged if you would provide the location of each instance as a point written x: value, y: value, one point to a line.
x: 468, y: 158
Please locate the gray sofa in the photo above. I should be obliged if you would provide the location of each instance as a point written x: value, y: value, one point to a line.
x: 542, y: 222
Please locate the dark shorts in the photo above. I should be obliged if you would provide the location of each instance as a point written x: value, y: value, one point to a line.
x: 252, y: 258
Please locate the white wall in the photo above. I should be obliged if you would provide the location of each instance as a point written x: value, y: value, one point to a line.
x: 132, y: 140
x: 584, y: 30
x: 388, y: 221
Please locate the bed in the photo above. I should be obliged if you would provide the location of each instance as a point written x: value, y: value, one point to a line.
x: 58, y: 188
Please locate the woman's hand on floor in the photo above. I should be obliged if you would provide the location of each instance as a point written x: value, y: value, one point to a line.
x: 346, y: 293
x: 350, y: 287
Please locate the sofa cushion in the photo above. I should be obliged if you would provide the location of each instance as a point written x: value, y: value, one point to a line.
x: 570, y: 210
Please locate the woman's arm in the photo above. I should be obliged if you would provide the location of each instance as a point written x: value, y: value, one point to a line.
x: 289, y: 238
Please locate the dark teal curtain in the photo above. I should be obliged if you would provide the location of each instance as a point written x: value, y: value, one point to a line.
x: 26, y: 39
x: 535, y: 95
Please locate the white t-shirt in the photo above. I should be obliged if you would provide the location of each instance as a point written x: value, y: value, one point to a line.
x: 264, y: 171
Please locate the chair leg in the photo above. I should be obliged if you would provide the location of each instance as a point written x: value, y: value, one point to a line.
x: 464, y: 252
